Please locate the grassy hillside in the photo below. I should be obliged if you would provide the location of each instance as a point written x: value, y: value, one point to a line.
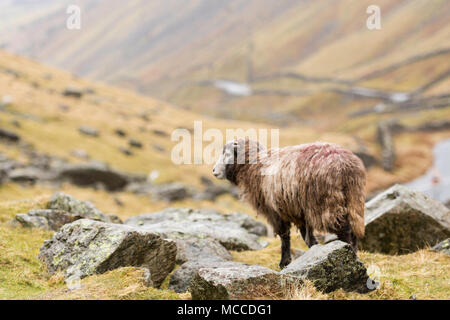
x: 171, y: 49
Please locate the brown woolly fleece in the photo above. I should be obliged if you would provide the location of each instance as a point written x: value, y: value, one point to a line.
x: 320, y: 185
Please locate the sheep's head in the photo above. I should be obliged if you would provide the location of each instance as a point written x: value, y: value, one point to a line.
x: 234, y: 154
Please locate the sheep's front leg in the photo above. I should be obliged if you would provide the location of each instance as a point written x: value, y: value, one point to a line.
x: 283, y: 229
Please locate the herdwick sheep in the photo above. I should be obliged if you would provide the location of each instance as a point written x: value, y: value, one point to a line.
x: 316, y: 187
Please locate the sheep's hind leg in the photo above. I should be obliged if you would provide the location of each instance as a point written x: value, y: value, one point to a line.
x: 283, y: 229
x: 308, y: 236
x: 345, y: 234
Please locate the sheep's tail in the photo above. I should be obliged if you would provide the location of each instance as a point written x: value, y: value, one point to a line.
x: 355, y: 196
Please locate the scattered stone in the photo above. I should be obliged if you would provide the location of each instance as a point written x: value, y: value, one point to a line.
x: 93, y: 174
x: 160, y: 133
x: 206, y: 181
x: 126, y: 151
x: 211, y: 193
x: 235, y: 281
x: 46, y: 219
x: 135, y: 144
x: 6, y: 102
x: 330, y: 267
x: 86, y: 247
x: 88, y: 131
x: 443, y: 246
x: 120, y: 133
x: 368, y: 159
x: 64, y: 108
x: 144, y: 116
x: 159, y: 148
x: 226, y: 229
x: 80, y: 154
x: 74, y: 92
x: 118, y: 202
x: 170, y: 192
x: 9, y: 135
x: 16, y: 123
x: 400, y: 221
x: 139, y: 188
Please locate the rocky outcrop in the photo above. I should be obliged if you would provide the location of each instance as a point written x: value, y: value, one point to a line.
x: 235, y: 280
x: 170, y: 192
x: 443, y: 246
x: 9, y: 135
x: 86, y: 247
x: 330, y: 267
x: 93, y: 174
x: 191, y: 248
x: 46, y: 219
x: 61, y: 209
x: 232, y: 234
x: 181, y: 279
x: 400, y: 221
x: 84, y: 209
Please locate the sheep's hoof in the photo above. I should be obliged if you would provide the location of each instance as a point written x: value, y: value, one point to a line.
x: 284, y: 263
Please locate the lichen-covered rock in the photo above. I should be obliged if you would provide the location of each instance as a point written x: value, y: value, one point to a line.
x: 87, y: 247
x: 248, y: 223
x: 199, y: 223
x: 400, y: 221
x: 192, y: 248
x: 85, y: 209
x: 182, y: 277
x: 330, y: 267
x: 443, y: 246
x: 235, y: 280
x: 46, y: 219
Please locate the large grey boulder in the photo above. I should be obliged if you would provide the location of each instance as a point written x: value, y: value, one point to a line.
x: 46, y: 219
x: 181, y: 279
x: 234, y: 280
x: 330, y: 267
x: 93, y: 174
x: 226, y: 229
x: 170, y: 192
x: 86, y: 247
x: 85, y: 209
x: 400, y: 221
x: 191, y: 248
x: 29, y: 174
